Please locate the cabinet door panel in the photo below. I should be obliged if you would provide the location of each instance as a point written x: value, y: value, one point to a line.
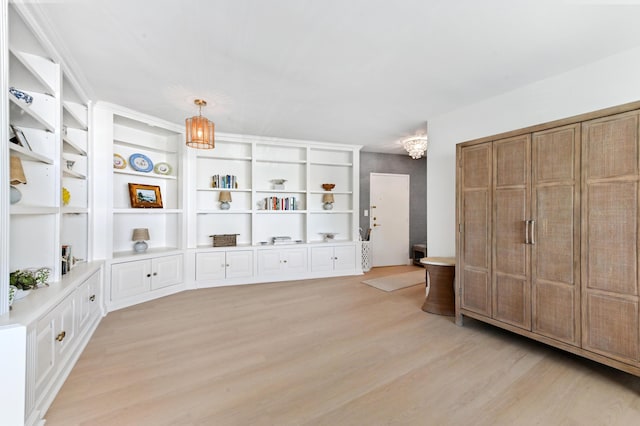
x: 239, y: 264
x: 130, y: 279
x: 344, y: 257
x: 555, y: 309
x: 610, y: 236
x: 210, y: 266
x: 612, y: 327
x: 269, y: 262
x: 321, y: 259
x: 555, y: 256
x: 475, y: 219
x: 296, y: 260
x: 511, y: 256
x: 512, y: 300
x: 166, y: 271
x: 476, y: 292
x: 65, y: 328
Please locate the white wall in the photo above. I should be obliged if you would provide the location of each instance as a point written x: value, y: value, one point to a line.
x: 609, y: 82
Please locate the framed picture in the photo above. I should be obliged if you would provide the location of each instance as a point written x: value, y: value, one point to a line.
x: 19, y: 137
x: 145, y: 196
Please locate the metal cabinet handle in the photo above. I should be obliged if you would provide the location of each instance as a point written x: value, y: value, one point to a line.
x: 92, y: 298
x: 532, y: 238
x: 148, y: 275
x: 60, y: 337
x: 155, y: 273
x: 526, y: 231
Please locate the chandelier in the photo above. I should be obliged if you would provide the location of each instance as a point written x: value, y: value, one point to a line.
x: 416, y: 146
x: 199, y: 130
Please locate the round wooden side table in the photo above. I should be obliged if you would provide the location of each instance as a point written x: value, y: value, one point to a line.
x: 440, y: 272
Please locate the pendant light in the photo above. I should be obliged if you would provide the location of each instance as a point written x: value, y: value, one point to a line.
x: 199, y: 130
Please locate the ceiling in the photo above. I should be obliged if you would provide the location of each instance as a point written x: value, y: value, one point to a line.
x: 365, y: 72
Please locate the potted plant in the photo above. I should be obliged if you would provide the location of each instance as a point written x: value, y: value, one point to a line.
x: 28, y: 279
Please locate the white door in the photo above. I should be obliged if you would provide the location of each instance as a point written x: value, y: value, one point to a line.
x: 389, y: 219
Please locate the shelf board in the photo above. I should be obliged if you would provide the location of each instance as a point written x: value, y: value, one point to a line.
x: 117, y: 141
x: 223, y: 189
x: 74, y: 146
x: 146, y: 211
x: 43, y: 69
x: 282, y: 161
x: 151, y: 252
x: 223, y: 157
x: 280, y: 191
x: 321, y: 163
x: 72, y: 174
x: 22, y: 115
x: 329, y: 211
x: 205, y: 211
x: 25, y: 209
x: 75, y: 210
x: 280, y: 211
x: 149, y: 174
x: 74, y: 115
x: 28, y: 155
x: 332, y: 192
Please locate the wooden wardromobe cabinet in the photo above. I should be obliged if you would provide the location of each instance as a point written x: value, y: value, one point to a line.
x: 548, y: 234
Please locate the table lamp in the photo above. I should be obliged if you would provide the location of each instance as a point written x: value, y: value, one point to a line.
x: 140, y: 236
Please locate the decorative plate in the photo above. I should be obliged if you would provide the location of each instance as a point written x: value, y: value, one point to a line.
x: 162, y: 168
x: 119, y: 162
x: 140, y: 163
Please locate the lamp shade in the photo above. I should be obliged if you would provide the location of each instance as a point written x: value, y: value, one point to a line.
x: 199, y: 130
x: 140, y: 234
x: 16, y: 173
x: 327, y: 198
x: 224, y: 197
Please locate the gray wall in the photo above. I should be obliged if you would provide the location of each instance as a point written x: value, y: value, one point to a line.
x: 399, y: 164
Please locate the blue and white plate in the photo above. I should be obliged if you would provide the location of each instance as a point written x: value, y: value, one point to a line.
x: 140, y: 163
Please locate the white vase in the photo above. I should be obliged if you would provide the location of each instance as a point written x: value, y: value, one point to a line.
x: 20, y: 294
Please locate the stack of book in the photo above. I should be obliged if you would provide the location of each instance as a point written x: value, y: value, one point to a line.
x: 282, y: 240
x: 275, y: 203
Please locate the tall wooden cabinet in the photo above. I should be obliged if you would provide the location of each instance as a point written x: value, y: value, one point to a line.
x: 548, y: 234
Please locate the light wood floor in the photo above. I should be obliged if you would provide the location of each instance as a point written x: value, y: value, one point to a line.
x: 327, y: 352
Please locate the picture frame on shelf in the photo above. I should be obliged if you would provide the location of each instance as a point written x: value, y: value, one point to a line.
x: 145, y: 196
x: 19, y: 138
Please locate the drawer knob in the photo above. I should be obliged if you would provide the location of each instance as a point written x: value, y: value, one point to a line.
x: 92, y: 298
x: 60, y: 337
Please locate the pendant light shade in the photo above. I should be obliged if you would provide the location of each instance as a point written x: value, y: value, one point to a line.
x: 199, y: 130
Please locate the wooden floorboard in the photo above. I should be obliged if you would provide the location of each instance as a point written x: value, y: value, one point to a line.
x: 327, y: 352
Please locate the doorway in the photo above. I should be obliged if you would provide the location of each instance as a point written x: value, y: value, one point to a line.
x: 389, y: 219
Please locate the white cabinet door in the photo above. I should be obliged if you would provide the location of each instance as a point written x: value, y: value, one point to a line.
x: 330, y: 258
x: 344, y: 258
x: 166, y: 271
x: 321, y: 259
x: 269, y: 262
x: 55, y: 337
x: 88, y: 300
x: 210, y: 266
x: 65, y: 328
x: 45, y: 350
x: 130, y: 279
x: 295, y: 260
x: 239, y: 264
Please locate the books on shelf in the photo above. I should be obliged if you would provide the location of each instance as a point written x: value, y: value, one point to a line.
x: 275, y: 203
x: 224, y: 181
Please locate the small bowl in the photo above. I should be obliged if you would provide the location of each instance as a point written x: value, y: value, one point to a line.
x: 328, y: 186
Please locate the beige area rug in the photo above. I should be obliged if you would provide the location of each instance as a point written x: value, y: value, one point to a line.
x: 397, y: 281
